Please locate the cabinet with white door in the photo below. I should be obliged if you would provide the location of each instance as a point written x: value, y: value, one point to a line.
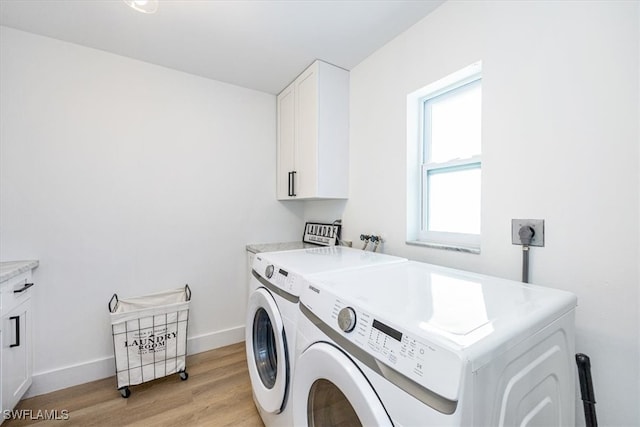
x: 313, y: 135
x: 16, y: 351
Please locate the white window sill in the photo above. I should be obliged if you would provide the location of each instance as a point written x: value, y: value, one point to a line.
x: 449, y: 247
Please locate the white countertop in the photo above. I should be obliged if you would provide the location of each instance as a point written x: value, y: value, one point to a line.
x: 257, y: 248
x: 11, y: 269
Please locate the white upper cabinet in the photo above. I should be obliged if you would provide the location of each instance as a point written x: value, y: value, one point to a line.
x: 313, y: 135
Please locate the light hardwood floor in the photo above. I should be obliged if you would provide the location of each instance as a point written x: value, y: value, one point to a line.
x: 217, y: 393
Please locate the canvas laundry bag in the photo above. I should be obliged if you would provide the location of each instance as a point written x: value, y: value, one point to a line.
x: 150, y: 335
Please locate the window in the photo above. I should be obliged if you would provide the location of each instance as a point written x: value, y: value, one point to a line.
x: 446, y: 136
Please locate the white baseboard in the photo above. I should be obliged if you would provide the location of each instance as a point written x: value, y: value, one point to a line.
x: 68, y: 376
x: 217, y: 339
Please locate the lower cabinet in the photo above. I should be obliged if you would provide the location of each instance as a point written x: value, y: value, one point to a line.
x: 16, y: 366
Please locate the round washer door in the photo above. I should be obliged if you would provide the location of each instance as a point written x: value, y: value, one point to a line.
x: 329, y: 389
x: 267, y: 356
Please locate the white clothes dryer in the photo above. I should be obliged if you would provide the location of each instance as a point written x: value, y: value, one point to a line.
x: 414, y: 344
x: 272, y: 314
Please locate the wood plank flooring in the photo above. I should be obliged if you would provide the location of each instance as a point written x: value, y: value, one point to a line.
x: 217, y: 393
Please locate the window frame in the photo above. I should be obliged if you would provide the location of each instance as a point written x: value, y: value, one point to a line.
x: 419, y: 153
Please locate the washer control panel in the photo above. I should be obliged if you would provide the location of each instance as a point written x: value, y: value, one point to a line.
x: 277, y: 275
x: 284, y: 280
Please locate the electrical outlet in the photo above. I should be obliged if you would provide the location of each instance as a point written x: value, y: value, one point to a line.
x: 348, y: 243
x: 538, y: 231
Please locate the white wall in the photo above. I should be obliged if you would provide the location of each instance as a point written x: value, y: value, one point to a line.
x: 638, y: 124
x: 125, y: 177
x: 560, y: 142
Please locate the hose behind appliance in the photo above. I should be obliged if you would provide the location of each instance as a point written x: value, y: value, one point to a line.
x: 586, y: 390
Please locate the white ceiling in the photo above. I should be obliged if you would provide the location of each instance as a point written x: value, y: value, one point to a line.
x: 261, y: 45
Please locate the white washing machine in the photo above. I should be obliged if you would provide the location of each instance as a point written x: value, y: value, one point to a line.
x: 272, y: 313
x: 415, y: 344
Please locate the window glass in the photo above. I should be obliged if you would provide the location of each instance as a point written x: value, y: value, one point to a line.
x: 454, y: 199
x: 453, y: 124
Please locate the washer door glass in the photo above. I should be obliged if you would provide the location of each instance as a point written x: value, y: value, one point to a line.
x: 267, y: 357
x: 328, y: 406
x: 265, y: 353
x: 336, y: 391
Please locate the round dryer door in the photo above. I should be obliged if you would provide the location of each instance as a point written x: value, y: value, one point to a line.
x: 337, y: 393
x: 266, y: 346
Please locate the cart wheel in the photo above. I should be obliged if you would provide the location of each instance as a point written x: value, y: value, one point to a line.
x: 125, y: 392
x: 184, y: 375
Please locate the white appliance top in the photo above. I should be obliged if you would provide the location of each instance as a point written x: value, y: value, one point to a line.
x: 285, y: 270
x: 328, y: 258
x: 466, y: 312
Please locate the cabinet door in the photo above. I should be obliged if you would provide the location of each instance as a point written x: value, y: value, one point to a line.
x: 16, y: 354
x: 286, y: 143
x: 307, y: 133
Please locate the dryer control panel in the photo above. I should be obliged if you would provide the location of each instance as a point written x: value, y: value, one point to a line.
x: 398, y: 348
x: 432, y: 366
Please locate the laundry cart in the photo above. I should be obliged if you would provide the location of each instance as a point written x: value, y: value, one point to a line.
x: 150, y: 336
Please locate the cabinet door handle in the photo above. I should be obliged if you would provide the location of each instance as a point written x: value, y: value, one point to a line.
x: 24, y: 288
x: 293, y: 183
x: 17, y: 319
x: 289, y: 186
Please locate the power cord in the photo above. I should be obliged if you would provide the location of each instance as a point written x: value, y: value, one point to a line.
x: 526, y: 234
